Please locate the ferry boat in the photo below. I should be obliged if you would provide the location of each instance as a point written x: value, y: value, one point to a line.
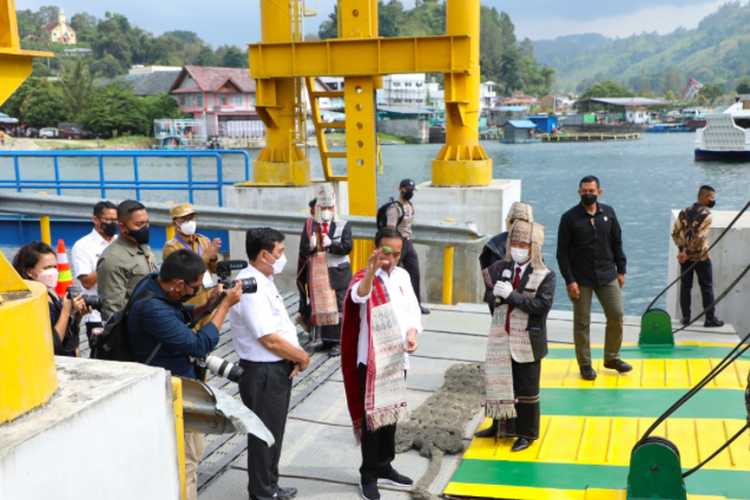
x: 725, y: 136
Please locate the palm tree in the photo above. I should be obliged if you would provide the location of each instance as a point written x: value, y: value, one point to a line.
x: 76, y: 83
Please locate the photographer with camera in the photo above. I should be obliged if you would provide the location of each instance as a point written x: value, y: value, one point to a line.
x: 159, y: 333
x: 269, y: 350
x: 38, y: 262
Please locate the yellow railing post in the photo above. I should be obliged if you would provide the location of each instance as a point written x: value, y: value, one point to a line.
x: 448, y: 254
x: 44, y: 226
x: 179, y: 427
x: 170, y: 228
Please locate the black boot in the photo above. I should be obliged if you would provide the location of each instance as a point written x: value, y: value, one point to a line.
x: 489, y: 432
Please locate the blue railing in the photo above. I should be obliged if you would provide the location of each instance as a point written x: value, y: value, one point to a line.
x: 102, y: 184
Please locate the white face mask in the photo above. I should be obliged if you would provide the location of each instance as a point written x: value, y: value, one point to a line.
x: 519, y: 255
x: 278, y: 266
x: 326, y: 215
x: 48, y: 277
x: 189, y: 227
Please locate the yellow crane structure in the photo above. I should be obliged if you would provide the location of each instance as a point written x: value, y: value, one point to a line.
x: 27, y: 364
x: 363, y: 58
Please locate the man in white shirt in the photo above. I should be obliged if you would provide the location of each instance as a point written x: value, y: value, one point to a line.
x: 86, y: 252
x: 382, y: 319
x: 269, y: 350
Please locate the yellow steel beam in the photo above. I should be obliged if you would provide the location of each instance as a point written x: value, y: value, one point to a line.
x: 179, y: 429
x: 361, y: 57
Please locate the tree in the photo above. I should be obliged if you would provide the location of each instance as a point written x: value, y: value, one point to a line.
x: 76, y: 84
x: 107, y: 67
x: 43, y: 108
x: 674, y: 81
x: 162, y: 106
x: 185, y: 36
x: 330, y: 27
x: 115, y: 110
x: 711, y: 93
x: 388, y: 17
x: 607, y: 88
x: 744, y: 86
x: 234, y: 58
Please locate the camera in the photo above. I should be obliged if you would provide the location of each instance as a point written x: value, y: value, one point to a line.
x: 92, y: 301
x: 224, y: 368
x: 224, y: 270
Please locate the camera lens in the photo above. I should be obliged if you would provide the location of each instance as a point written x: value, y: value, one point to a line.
x: 224, y: 368
x: 94, y: 301
x: 249, y: 285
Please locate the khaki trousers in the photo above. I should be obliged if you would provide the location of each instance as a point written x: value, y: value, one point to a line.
x: 195, y: 446
x: 610, y: 298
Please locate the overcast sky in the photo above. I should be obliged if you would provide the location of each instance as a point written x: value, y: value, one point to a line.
x: 236, y: 22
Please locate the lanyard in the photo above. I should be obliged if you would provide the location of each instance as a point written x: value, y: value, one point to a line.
x: 200, y: 247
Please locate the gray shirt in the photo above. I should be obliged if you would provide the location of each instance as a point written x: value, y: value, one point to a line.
x: 119, y: 269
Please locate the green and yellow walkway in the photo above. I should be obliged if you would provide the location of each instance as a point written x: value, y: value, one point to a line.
x: 588, y: 429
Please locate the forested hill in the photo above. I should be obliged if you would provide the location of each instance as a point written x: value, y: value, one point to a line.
x: 717, y: 51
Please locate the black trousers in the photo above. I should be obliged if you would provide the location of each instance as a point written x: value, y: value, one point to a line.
x: 378, y: 447
x: 526, y: 378
x: 332, y: 333
x: 704, y: 270
x: 410, y: 262
x: 266, y: 389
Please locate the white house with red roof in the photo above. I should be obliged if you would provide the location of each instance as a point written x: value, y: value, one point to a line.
x: 61, y: 31
x: 223, y: 97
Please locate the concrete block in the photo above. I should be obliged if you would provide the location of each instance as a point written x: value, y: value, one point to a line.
x: 279, y: 199
x: 728, y: 259
x: 108, y: 432
x: 486, y: 207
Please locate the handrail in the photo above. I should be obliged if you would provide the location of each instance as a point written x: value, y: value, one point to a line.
x: 438, y: 233
x: 136, y: 184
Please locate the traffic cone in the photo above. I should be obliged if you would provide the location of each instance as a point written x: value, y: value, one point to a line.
x: 63, y: 267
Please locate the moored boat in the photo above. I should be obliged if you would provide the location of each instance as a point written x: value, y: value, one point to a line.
x: 726, y: 135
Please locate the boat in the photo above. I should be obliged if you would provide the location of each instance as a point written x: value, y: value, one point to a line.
x: 726, y: 135
x: 666, y: 128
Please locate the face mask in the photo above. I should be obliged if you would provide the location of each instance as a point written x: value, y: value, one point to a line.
x: 48, y: 277
x: 326, y: 215
x: 407, y: 195
x: 189, y: 296
x: 711, y: 204
x: 109, y: 229
x: 141, y: 236
x: 189, y: 227
x: 588, y: 199
x: 519, y: 255
x: 279, y: 264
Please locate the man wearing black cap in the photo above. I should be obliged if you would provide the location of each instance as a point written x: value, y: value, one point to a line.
x: 409, y: 259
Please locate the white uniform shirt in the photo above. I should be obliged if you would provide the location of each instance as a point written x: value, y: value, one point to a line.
x: 85, y: 253
x: 257, y: 315
x: 522, y: 267
x: 404, y: 303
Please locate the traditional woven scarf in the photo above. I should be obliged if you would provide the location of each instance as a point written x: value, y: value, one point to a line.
x: 325, y: 310
x: 503, y: 347
x: 385, y: 385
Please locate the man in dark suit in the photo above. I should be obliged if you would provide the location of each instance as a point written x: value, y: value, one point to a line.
x: 520, y: 291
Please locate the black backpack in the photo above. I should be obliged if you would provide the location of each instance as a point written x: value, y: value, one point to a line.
x: 382, y: 216
x: 113, y: 344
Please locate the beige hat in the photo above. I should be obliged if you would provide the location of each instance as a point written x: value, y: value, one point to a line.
x: 519, y: 211
x: 182, y: 210
x: 528, y: 232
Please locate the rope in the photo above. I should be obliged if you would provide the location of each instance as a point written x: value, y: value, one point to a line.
x: 724, y: 446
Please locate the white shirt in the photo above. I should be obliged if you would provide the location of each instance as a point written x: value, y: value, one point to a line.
x: 85, y: 253
x: 405, y: 306
x: 257, y: 315
x: 522, y: 267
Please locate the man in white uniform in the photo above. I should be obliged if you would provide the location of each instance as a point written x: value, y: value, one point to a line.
x: 269, y: 350
x: 86, y: 252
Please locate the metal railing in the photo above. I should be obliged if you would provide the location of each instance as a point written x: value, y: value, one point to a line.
x: 137, y: 184
x: 447, y: 234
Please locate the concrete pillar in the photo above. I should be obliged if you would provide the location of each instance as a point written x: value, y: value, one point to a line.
x: 485, y: 206
x: 728, y: 259
x: 280, y: 199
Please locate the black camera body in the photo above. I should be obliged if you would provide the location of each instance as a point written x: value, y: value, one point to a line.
x: 92, y: 301
x: 224, y: 271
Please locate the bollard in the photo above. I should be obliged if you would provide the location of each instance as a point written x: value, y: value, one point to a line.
x: 44, y: 226
x: 448, y: 254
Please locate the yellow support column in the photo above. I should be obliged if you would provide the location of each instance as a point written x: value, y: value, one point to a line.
x: 179, y: 429
x: 359, y: 19
x: 281, y: 162
x: 462, y: 161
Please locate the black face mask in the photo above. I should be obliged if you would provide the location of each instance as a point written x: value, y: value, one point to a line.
x: 189, y: 296
x: 141, y: 236
x: 407, y: 195
x: 588, y: 199
x: 109, y: 229
x: 711, y: 204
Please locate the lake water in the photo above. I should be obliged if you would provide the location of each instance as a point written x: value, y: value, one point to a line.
x: 643, y: 180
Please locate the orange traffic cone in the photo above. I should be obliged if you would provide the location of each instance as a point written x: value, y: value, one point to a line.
x: 63, y: 267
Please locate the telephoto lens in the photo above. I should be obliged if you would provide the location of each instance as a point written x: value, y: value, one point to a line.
x: 94, y: 301
x: 249, y: 285
x: 224, y: 368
